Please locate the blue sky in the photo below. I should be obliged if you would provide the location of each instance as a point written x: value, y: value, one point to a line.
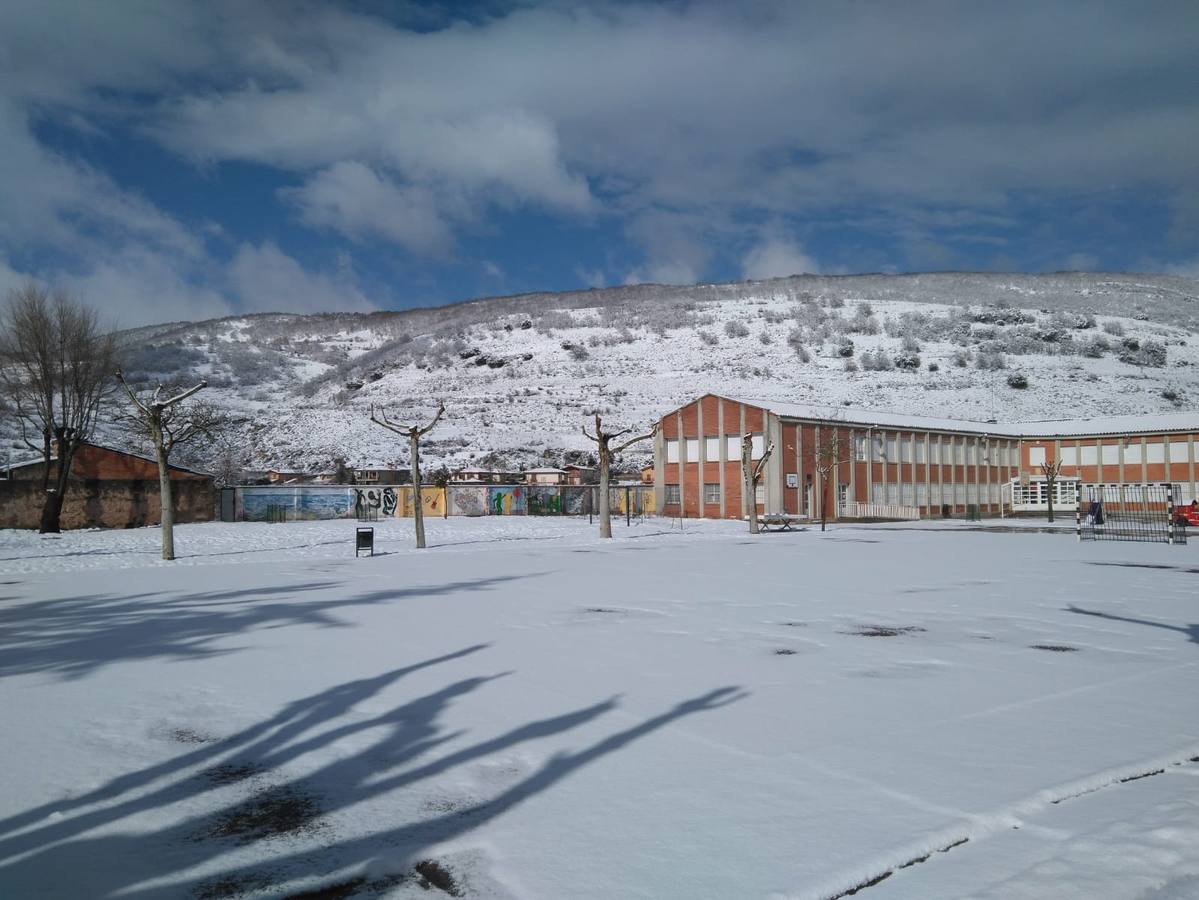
x: 170, y: 160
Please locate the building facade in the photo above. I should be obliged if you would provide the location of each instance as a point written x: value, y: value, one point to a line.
x: 856, y: 463
x: 107, y: 488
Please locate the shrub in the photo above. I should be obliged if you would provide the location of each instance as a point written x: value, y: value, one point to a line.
x: 845, y: 347
x: 708, y: 338
x: 764, y: 337
x: 1151, y: 353
x: 933, y: 367
x: 1172, y: 394
x: 1017, y: 380
x: 735, y: 329
x: 910, y: 344
x: 961, y: 359
x: 1114, y: 328
x: 850, y: 365
x: 909, y: 362
x: 579, y: 353
x: 989, y: 362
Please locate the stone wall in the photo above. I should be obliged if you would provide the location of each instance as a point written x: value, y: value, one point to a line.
x: 93, y: 503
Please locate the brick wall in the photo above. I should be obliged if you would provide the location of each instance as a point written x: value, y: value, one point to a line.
x: 92, y: 503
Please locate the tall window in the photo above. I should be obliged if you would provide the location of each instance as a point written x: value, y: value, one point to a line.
x: 672, y: 495
x: 711, y: 492
x: 860, y: 450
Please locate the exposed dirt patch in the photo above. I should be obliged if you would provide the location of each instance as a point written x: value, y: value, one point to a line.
x: 187, y: 736
x: 883, y: 877
x: 1054, y: 648
x: 886, y: 630
x: 222, y: 888
x: 355, y: 887
x: 784, y: 651
x: 794, y: 624
x: 434, y: 875
x: 602, y: 610
x: 865, y: 884
x: 1142, y: 775
x: 230, y: 773
x: 266, y: 814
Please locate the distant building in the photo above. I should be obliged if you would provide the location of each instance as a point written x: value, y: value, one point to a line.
x: 580, y: 474
x: 891, y: 465
x: 545, y: 475
x: 108, y: 488
x: 647, y: 474
x: 475, y: 475
x: 382, y: 476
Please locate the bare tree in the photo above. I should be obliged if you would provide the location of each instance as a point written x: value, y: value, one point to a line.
x: 1051, y: 470
x: 751, y: 475
x: 166, y: 423
x: 825, y: 456
x: 55, y: 365
x: 414, y: 433
x: 605, y: 452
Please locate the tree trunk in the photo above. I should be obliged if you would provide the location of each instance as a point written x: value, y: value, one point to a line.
x: 51, y: 513
x: 605, y: 511
x: 1049, y: 497
x: 418, y: 511
x: 166, y: 505
x: 747, y: 485
x: 823, y: 501
x: 56, y: 493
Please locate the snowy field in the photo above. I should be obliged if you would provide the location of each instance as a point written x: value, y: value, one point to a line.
x: 522, y: 711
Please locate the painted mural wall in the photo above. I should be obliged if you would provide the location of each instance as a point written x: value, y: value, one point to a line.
x: 309, y: 502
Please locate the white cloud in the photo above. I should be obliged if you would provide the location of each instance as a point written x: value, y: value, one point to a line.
x: 265, y: 279
x: 775, y: 257
x: 352, y: 198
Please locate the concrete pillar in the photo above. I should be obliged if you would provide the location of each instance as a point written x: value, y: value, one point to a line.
x: 723, y: 455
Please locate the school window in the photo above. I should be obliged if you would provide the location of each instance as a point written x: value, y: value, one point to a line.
x: 712, y: 449
x: 672, y: 495
x: 1036, y: 456
x: 672, y: 451
x: 921, y: 455
x: 711, y: 492
x: 692, y: 449
x: 1178, y: 452
x: 1132, y: 454
x: 859, y: 449
x: 1069, y: 456
x: 1155, y: 453
x: 760, y: 494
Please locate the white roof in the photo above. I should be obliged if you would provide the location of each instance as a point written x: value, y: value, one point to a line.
x: 1154, y: 423
x: 549, y: 470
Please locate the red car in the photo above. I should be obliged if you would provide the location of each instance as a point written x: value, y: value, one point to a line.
x: 1187, y: 515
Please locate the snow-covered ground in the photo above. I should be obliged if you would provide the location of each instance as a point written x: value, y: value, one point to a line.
x: 692, y: 713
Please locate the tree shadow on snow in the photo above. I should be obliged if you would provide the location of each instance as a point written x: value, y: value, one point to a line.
x: 1191, y: 631
x: 74, y: 636
x: 275, y: 787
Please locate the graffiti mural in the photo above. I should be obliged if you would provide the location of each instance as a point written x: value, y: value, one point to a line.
x: 576, y: 501
x: 468, y: 500
x: 380, y: 500
x: 295, y: 503
x: 506, y: 500
x: 544, y: 501
x: 432, y: 500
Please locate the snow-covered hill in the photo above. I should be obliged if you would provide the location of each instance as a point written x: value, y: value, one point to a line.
x: 519, y: 374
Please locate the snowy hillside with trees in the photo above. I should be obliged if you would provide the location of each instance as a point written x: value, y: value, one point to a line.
x: 519, y: 374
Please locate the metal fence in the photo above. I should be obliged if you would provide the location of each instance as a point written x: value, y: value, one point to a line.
x: 1130, y: 512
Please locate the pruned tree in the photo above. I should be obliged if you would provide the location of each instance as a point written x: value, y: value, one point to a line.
x: 825, y: 456
x: 166, y: 421
x: 414, y: 433
x: 55, y: 372
x: 751, y: 474
x: 605, y: 451
x: 1051, y: 469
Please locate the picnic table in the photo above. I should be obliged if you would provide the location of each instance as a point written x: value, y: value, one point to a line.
x: 778, y: 521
